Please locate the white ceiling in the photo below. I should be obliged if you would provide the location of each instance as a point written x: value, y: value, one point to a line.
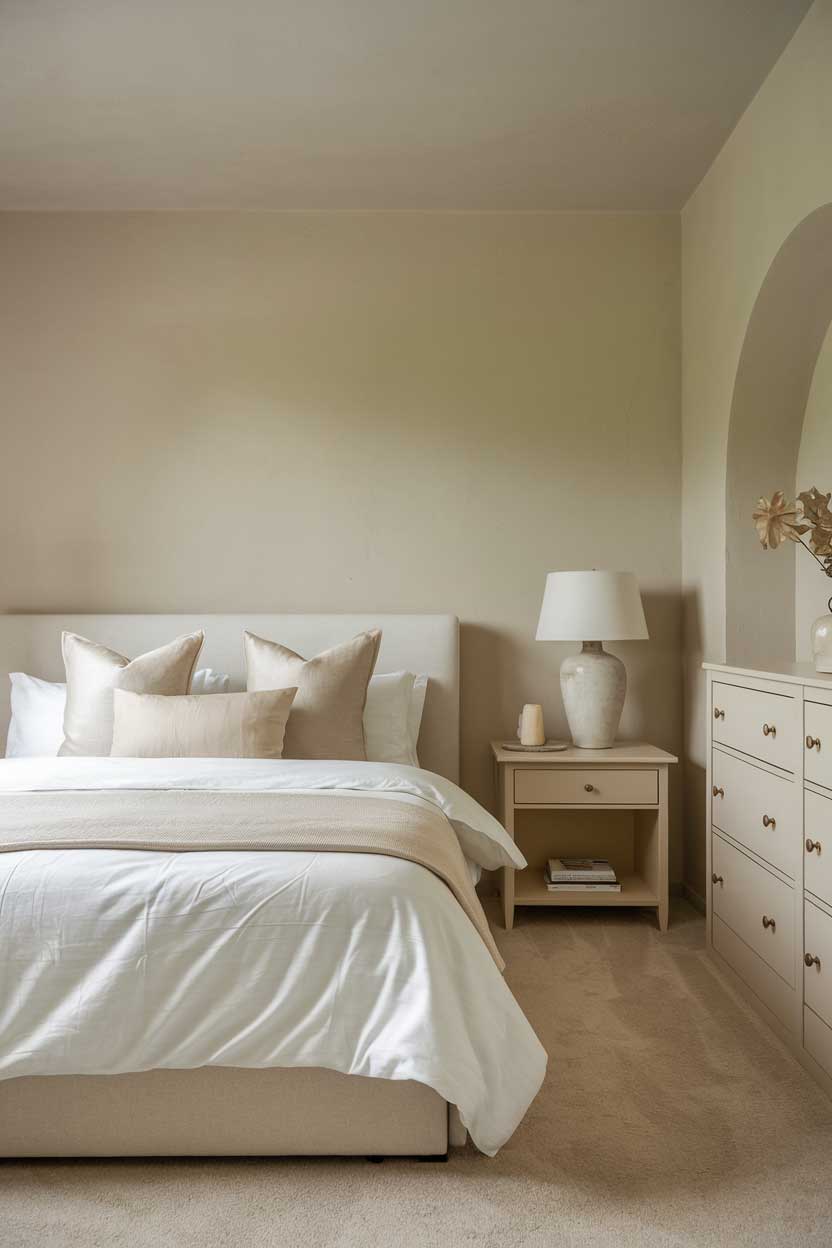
x: 333, y: 104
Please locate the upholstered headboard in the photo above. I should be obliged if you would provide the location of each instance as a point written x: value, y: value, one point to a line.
x: 416, y: 643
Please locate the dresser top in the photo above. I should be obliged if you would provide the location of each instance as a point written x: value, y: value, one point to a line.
x: 621, y: 753
x: 791, y: 673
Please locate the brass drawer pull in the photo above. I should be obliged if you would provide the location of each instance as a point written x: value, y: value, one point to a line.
x: 717, y: 879
x: 813, y: 743
x: 768, y: 822
x: 589, y: 788
x: 810, y: 845
x: 718, y: 792
x: 811, y: 961
x: 769, y: 730
x: 767, y: 922
x: 718, y: 714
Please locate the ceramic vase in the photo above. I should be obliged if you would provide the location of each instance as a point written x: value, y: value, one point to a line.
x: 822, y: 641
x: 593, y: 684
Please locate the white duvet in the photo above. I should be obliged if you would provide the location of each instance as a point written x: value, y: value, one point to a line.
x: 126, y: 960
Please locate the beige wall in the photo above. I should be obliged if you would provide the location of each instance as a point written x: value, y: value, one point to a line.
x: 773, y: 172
x: 350, y: 411
x: 814, y: 467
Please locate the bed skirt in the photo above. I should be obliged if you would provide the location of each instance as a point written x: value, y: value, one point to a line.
x: 222, y: 1111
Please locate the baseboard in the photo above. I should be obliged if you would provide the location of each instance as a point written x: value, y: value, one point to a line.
x: 691, y: 895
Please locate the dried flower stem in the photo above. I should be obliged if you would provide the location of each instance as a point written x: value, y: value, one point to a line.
x: 826, y: 564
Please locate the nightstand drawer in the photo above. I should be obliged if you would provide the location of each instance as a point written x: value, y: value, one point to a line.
x: 560, y: 786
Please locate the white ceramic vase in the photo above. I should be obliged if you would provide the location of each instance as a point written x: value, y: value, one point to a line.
x: 593, y: 684
x: 822, y: 641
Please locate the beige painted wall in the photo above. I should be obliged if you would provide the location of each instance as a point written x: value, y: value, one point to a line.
x: 349, y: 412
x: 814, y: 467
x: 772, y: 173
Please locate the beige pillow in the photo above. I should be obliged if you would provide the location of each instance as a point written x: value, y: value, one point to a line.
x: 327, y: 719
x: 222, y: 725
x: 93, y: 672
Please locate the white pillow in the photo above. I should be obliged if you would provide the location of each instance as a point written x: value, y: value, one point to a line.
x: 206, y: 680
x: 417, y: 706
x: 393, y: 717
x: 37, y: 725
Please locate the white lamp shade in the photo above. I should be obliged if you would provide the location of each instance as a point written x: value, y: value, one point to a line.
x: 591, y: 606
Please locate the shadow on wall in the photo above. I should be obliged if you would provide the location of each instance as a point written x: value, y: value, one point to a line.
x: 693, y: 771
x: 788, y: 324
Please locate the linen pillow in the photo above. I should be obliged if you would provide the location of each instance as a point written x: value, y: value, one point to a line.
x: 36, y: 729
x: 226, y: 725
x: 327, y: 719
x: 93, y: 672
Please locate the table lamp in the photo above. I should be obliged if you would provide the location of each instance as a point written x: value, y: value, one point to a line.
x: 592, y: 607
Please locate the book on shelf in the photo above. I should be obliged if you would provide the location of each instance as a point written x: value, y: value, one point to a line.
x: 579, y: 871
x: 574, y: 887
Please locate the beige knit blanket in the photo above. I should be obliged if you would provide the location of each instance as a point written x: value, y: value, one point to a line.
x: 192, y: 819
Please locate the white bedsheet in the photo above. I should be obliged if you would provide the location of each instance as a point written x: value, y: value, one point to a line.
x: 120, y: 960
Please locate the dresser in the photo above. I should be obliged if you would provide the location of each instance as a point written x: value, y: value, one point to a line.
x: 769, y: 848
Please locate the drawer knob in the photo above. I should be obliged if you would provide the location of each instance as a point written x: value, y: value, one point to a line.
x: 590, y: 788
x: 768, y: 822
x: 718, y: 714
x: 811, y: 961
x: 769, y: 730
x: 718, y: 792
x: 717, y: 879
x: 813, y: 743
x: 810, y: 845
x: 767, y: 922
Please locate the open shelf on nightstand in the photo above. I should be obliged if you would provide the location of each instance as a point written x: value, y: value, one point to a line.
x: 530, y: 890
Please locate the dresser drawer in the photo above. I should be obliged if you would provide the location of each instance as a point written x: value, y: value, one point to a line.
x: 817, y: 721
x: 765, y: 725
x: 817, y: 861
x: 559, y: 786
x: 744, y: 895
x: 759, y: 809
x: 773, y: 991
x: 817, y: 979
x: 817, y: 1039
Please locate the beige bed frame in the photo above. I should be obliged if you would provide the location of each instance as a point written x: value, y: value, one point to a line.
x: 220, y: 1111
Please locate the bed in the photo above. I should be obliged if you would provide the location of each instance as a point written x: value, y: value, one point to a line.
x: 410, y: 1038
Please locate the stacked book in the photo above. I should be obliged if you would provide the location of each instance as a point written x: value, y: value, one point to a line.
x: 580, y: 875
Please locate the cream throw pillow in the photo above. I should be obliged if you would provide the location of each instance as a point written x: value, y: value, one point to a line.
x: 327, y: 719
x: 224, y: 725
x: 93, y: 672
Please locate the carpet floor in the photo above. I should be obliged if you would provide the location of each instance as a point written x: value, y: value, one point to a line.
x: 670, y: 1116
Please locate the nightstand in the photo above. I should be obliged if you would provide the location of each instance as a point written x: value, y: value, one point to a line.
x: 586, y: 803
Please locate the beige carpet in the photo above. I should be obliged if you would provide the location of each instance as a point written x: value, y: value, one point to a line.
x: 670, y: 1116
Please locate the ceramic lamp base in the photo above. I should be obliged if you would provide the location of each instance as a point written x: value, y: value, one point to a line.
x: 593, y: 684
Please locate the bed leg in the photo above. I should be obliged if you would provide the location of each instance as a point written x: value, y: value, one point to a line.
x: 374, y: 1161
x: 434, y: 1157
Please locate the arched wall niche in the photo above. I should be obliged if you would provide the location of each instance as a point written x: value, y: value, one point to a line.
x: 788, y: 324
